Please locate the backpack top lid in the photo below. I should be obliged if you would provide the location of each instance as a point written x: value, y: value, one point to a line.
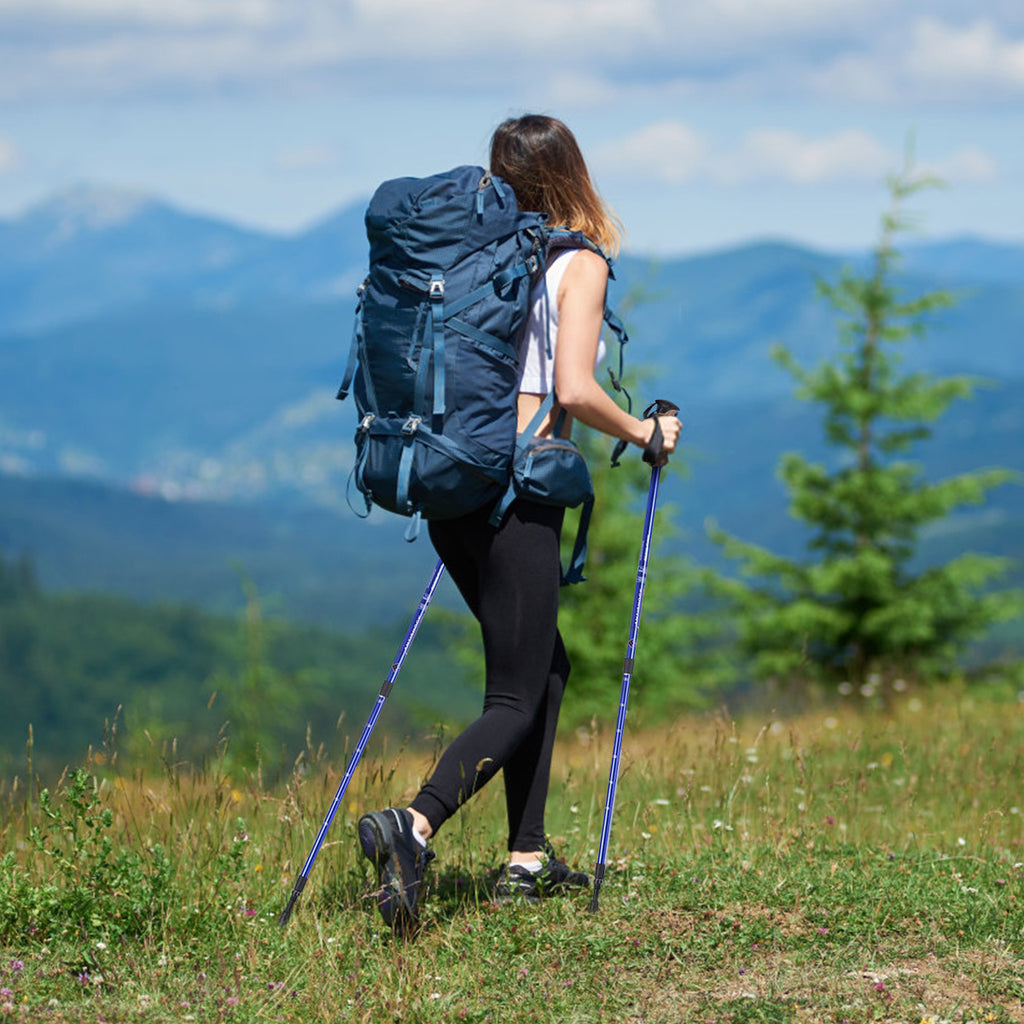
x: 431, y: 222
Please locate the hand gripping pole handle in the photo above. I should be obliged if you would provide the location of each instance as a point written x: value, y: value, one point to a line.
x: 653, y: 451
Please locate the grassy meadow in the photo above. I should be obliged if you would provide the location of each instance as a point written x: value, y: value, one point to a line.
x: 846, y: 865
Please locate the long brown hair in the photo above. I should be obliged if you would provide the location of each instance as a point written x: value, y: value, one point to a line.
x: 540, y: 158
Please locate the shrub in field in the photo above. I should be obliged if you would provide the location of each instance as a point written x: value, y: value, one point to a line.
x: 90, y: 886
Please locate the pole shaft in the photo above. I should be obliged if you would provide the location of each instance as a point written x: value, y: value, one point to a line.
x: 620, y: 724
x: 385, y: 689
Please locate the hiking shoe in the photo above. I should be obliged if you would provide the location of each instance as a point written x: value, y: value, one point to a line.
x: 387, y: 839
x: 515, y: 881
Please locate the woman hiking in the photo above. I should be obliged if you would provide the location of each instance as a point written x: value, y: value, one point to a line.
x: 510, y: 575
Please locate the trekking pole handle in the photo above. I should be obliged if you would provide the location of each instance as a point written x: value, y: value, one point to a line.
x: 653, y: 451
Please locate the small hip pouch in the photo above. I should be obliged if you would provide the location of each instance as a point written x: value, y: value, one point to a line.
x: 551, y: 471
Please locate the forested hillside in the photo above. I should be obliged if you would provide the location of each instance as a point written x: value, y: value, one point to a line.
x: 176, y: 683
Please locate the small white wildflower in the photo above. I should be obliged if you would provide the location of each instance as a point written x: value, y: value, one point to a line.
x: 101, y: 945
x: 961, y: 841
x: 660, y: 802
x: 831, y: 722
x: 846, y: 689
x: 646, y: 835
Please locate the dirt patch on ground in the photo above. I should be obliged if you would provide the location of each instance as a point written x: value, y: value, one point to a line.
x: 965, y: 987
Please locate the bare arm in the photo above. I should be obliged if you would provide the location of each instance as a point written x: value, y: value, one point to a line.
x: 580, y: 311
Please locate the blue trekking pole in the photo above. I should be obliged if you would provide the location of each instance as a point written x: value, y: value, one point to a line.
x: 300, y: 882
x: 652, y: 455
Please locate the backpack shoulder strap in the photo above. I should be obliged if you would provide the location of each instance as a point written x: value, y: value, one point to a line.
x: 561, y: 238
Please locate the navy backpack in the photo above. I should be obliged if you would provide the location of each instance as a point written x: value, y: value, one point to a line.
x: 434, y: 364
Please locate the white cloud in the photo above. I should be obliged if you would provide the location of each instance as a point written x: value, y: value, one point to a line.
x: 672, y: 152
x: 979, y: 55
x: 305, y: 158
x: 668, y: 151
x: 965, y: 165
x: 580, y: 89
x: 8, y: 155
x: 850, y: 155
x: 577, y: 51
x: 931, y: 61
x: 154, y: 13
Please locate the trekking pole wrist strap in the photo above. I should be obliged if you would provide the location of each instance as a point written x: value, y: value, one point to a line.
x: 653, y: 448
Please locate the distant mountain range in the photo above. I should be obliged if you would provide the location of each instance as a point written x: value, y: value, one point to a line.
x: 146, y: 348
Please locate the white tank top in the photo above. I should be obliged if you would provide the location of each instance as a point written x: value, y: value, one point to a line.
x: 537, y: 371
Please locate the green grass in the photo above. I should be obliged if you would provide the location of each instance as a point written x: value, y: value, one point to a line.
x: 844, y: 866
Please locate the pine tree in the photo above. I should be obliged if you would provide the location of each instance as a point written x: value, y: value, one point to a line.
x: 856, y: 608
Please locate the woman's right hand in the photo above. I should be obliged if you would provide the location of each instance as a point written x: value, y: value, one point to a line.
x: 670, y: 431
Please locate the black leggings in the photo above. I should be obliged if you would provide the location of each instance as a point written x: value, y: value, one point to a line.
x: 510, y: 578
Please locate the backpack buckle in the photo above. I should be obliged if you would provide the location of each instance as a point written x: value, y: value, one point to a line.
x: 364, y: 424
x: 437, y: 289
x: 411, y: 425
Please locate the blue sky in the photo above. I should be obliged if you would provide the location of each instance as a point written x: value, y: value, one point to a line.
x: 706, y: 123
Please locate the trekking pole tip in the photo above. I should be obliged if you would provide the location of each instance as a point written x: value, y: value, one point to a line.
x: 300, y: 884
x: 598, y: 881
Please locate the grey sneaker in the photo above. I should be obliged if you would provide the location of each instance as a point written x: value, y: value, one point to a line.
x: 387, y: 839
x: 515, y: 881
